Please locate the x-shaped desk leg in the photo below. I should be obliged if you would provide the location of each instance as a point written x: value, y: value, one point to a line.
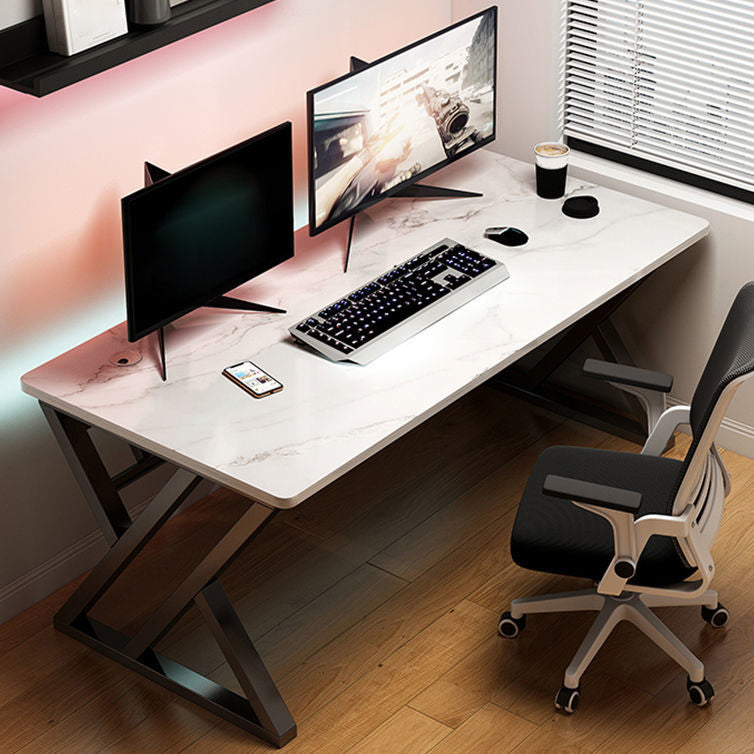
x: 262, y: 710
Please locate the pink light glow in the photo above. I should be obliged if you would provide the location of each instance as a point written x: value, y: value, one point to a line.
x: 66, y: 159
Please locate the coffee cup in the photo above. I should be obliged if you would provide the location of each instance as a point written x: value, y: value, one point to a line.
x: 552, y: 166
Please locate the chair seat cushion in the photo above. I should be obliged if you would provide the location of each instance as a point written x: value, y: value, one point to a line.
x: 555, y: 536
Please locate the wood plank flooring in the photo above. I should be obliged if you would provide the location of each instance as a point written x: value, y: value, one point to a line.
x: 375, y: 607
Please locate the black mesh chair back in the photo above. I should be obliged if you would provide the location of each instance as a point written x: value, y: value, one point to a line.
x: 731, y: 357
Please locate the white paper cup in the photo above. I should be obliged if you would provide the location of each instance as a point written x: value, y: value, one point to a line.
x: 551, y: 169
x: 551, y: 155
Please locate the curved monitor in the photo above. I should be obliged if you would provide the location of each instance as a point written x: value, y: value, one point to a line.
x: 381, y: 128
x: 198, y: 233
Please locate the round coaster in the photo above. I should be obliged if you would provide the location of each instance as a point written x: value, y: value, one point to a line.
x: 581, y: 207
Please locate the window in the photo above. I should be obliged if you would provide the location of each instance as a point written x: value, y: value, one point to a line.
x: 665, y: 85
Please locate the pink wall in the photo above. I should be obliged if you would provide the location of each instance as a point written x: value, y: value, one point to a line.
x: 65, y: 161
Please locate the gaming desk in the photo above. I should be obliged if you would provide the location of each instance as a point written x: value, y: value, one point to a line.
x: 279, y: 450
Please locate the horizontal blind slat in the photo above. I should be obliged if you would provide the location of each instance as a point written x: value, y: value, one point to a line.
x: 653, y: 63
x: 708, y: 126
x: 671, y: 81
x: 605, y: 140
x: 697, y: 104
x: 663, y: 84
x: 650, y: 51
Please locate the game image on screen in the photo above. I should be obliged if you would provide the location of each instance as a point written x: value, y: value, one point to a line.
x: 400, y: 118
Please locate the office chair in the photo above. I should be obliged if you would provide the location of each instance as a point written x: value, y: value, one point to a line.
x: 639, y: 525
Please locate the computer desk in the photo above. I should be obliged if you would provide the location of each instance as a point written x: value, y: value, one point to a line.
x: 279, y: 450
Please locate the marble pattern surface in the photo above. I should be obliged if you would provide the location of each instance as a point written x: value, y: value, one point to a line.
x: 330, y: 417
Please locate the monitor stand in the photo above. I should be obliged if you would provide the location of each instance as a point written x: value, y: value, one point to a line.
x: 415, y: 191
x: 221, y: 302
x: 163, y: 364
x: 153, y: 174
x: 226, y: 302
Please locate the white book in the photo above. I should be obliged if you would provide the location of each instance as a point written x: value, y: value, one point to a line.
x: 81, y: 24
x: 51, y: 24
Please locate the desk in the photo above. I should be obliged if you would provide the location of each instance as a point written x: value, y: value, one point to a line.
x: 280, y: 450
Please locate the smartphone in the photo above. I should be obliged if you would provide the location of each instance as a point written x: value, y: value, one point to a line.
x: 253, y: 379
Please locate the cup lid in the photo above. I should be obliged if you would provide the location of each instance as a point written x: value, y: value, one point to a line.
x: 581, y: 207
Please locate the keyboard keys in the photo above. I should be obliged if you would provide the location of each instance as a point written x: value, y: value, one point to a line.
x: 402, y: 292
x: 389, y: 276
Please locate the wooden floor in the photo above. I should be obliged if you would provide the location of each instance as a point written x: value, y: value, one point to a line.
x: 375, y: 605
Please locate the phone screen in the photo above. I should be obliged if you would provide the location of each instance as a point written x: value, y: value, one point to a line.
x: 253, y: 378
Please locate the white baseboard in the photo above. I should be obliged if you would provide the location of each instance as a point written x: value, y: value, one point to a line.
x: 737, y: 437
x: 46, y: 578
x: 66, y: 565
x: 733, y: 435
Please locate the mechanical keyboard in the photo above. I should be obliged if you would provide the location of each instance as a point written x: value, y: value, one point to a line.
x: 409, y: 297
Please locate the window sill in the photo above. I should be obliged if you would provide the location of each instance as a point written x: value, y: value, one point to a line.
x: 599, y: 167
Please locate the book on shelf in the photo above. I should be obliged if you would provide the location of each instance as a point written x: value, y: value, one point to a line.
x: 76, y: 25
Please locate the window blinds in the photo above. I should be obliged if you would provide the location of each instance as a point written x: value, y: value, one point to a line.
x: 669, y: 81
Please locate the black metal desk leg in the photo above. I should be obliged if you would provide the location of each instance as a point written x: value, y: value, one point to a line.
x: 216, y: 561
x: 95, y: 482
x: 102, y: 576
x: 262, y: 711
x: 247, y: 665
x: 533, y: 383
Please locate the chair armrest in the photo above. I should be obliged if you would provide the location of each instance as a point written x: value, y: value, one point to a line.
x: 616, y: 505
x: 663, y: 430
x: 600, y: 495
x: 630, y: 535
x: 625, y: 375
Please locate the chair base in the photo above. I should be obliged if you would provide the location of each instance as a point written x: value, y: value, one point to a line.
x: 634, y: 608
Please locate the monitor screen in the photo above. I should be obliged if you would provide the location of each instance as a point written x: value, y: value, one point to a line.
x: 381, y: 128
x: 200, y: 232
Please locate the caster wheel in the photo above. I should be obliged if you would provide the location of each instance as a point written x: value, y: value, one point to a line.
x: 509, y: 627
x: 700, y: 693
x: 718, y: 617
x: 566, y: 700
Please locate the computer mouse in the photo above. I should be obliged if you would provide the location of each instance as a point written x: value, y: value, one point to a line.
x: 507, y: 235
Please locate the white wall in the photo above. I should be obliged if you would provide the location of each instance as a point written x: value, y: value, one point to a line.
x: 14, y: 11
x: 671, y: 322
x: 527, y: 72
x: 66, y: 160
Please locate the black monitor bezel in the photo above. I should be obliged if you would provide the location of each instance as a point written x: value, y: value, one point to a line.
x: 134, y: 335
x: 313, y: 228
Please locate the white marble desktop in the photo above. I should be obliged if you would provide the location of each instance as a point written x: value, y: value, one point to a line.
x: 281, y: 449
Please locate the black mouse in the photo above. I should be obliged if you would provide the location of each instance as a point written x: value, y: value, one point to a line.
x: 506, y: 235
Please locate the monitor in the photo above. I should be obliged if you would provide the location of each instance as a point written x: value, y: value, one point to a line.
x: 385, y: 126
x: 196, y: 234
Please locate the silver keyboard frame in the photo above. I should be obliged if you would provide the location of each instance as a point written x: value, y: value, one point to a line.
x: 413, y: 324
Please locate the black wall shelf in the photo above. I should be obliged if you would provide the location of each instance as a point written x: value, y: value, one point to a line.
x: 26, y: 64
